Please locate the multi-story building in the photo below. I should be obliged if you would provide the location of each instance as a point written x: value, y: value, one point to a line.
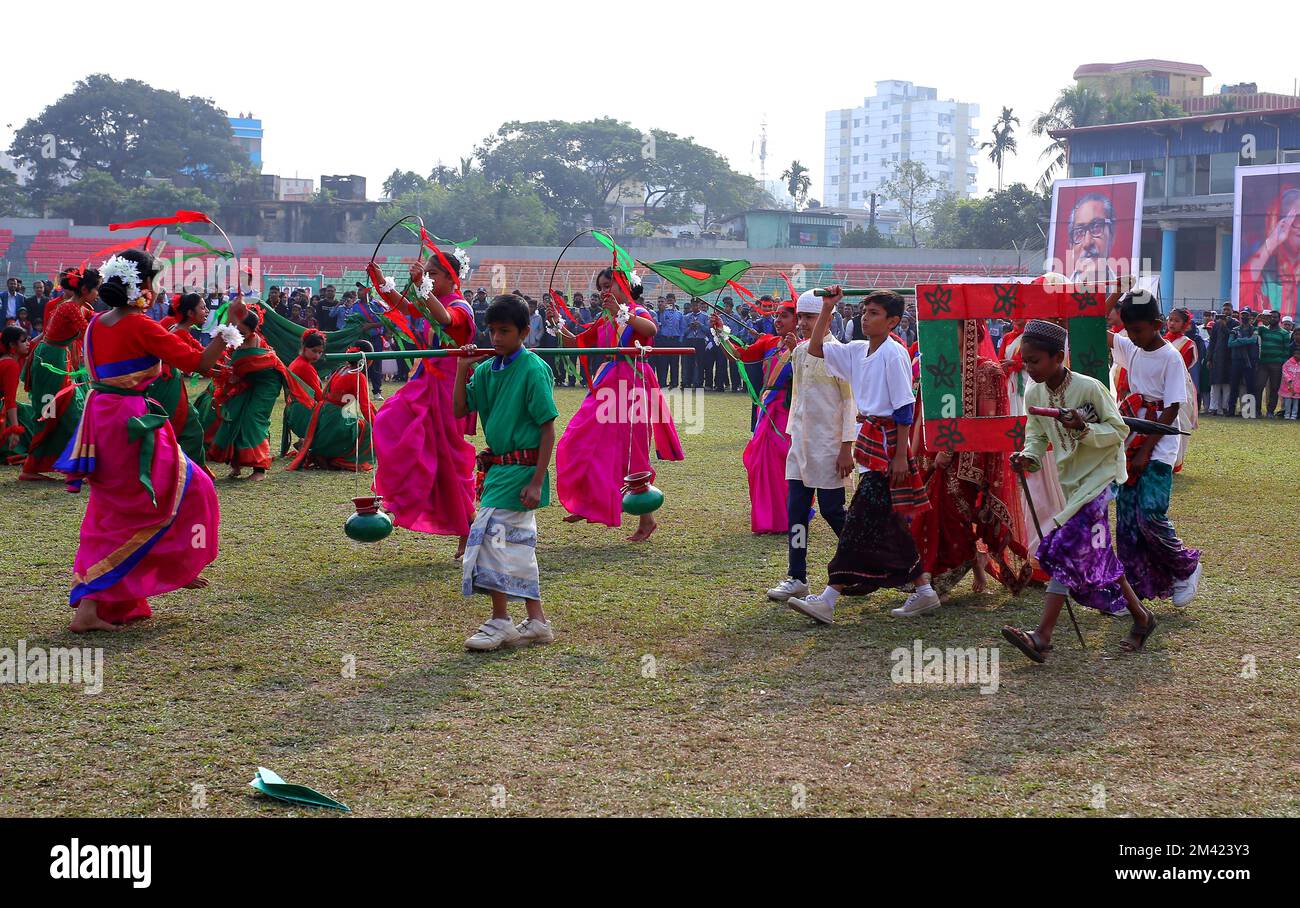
x: 1166, y: 78
x: 901, y: 122
x: 248, y: 136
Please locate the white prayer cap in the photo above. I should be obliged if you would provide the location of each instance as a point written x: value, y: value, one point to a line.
x: 808, y: 302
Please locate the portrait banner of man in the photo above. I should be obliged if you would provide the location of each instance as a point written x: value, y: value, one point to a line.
x: 1266, y: 238
x: 1096, y: 229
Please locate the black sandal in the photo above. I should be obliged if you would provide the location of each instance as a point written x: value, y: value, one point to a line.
x: 1137, y: 637
x: 1027, y: 642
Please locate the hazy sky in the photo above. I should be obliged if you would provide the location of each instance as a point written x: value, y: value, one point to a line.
x: 341, y: 88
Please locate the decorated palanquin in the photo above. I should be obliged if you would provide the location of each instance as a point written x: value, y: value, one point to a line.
x: 951, y: 422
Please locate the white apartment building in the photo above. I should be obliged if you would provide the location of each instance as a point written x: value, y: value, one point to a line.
x: 901, y: 122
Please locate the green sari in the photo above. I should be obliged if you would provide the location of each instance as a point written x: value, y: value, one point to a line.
x: 241, y: 432
x: 55, y: 419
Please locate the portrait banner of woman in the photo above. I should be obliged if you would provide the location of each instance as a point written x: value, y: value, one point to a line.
x: 1266, y: 238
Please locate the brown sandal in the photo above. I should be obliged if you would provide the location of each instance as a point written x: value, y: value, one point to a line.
x: 1137, y: 637
x: 1027, y: 642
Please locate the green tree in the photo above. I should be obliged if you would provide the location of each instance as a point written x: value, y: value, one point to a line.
x: 727, y: 194
x: 403, y: 182
x: 157, y: 198
x: 575, y: 167
x: 797, y: 183
x: 1141, y: 105
x: 96, y: 198
x: 1074, y: 107
x: 871, y: 238
x: 497, y: 212
x: 1011, y: 218
x: 1078, y: 106
x: 1004, y: 140
x: 13, y: 198
x: 129, y: 131
x: 912, y: 187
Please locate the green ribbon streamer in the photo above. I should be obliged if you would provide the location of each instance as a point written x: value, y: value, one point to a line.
x: 77, y: 373
x: 625, y: 262
x: 199, y: 241
x: 463, y: 244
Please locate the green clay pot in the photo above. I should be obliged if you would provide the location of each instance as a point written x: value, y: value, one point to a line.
x: 368, y: 524
x: 639, y: 496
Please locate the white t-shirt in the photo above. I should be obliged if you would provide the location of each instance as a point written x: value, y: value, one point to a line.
x: 881, y: 381
x: 1159, y: 374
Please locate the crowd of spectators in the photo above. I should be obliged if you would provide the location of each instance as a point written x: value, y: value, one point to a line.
x: 1240, y: 354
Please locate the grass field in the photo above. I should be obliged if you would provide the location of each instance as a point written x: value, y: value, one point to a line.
x: 748, y: 710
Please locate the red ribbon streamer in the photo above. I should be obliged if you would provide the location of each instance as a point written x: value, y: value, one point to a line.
x: 180, y: 217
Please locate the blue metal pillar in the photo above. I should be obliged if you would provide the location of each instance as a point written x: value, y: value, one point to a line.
x: 1168, y: 237
x: 1225, y: 269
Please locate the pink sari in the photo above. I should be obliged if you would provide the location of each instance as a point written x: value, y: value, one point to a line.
x: 591, y: 458
x: 135, y: 543
x: 424, y: 467
x: 765, y: 454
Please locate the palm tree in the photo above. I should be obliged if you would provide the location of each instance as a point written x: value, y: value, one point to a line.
x: 797, y: 182
x: 1004, y: 143
x: 1074, y: 107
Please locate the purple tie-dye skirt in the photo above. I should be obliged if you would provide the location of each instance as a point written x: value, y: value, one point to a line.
x: 1080, y: 555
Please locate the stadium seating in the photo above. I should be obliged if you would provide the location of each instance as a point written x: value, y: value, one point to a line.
x: 52, y: 250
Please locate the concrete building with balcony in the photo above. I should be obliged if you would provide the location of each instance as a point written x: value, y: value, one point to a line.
x: 1190, y: 165
x: 1166, y: 78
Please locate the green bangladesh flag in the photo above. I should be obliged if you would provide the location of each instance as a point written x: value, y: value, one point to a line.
x: 699, y: 277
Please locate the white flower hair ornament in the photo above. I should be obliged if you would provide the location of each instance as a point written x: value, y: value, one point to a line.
x: 125, y: 270
x: 633, y: 278
x: 231, y: 335
x: 463, y: 258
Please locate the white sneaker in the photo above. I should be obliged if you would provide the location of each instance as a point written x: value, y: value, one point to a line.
x: 814, y: 607
x: 788, y: 587
x: 917, y: 604
x: 533, y: 632
x: 1185, y: 590
x: 493, y: 634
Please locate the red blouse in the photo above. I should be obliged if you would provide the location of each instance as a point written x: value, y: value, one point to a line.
x: 307, y: 372
x: 758, y: 349
x: 9, y: 369
x: 133, y: 342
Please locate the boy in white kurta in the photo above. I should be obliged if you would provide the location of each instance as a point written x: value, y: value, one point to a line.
x: 876, y: 548
x: 822, y: 427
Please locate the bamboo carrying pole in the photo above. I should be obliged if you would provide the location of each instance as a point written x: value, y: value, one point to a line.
x: 487, y: 351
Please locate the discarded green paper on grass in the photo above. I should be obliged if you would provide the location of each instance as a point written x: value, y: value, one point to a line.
x: 269, y: 783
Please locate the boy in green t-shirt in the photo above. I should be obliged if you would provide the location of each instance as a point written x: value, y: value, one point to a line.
x: 512, y: 394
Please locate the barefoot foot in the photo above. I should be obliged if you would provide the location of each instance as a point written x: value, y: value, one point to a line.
x: 35, y: 477
x: 82, y: 623
x: 572, y: 518
x: 258, y: 476
x: 198, y: 583
x: 643, y: 531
